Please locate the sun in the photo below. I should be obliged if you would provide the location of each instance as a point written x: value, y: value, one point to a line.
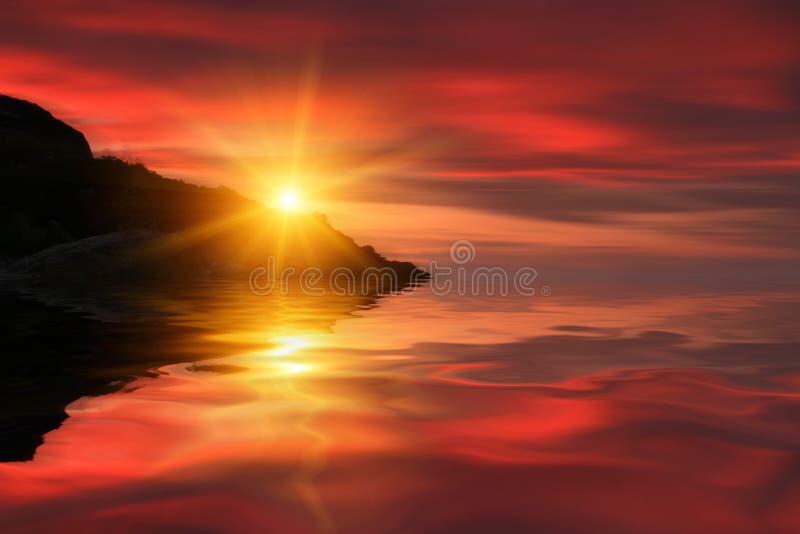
x: 288, y: 200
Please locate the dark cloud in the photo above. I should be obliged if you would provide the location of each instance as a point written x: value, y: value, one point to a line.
x: 664, y: 119
x: 552, y: 199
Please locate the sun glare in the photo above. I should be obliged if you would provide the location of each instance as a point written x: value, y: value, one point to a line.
x: 288, y: 200
x: 288, y: 345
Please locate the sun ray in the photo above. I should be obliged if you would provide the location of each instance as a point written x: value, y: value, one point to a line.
x: 305, y: 103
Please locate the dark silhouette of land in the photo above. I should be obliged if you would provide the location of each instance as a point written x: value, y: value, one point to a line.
x: 53, y: 191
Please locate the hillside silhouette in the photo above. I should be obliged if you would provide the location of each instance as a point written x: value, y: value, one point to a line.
x: 53, y: 192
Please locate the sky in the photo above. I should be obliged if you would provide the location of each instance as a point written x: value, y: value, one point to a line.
x: 643, y: 131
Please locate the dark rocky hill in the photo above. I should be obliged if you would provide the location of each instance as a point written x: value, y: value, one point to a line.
x: 31, y: 137
x: 52, y: 191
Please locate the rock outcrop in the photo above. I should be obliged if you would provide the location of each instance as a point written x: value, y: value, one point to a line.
x: 30, y: 138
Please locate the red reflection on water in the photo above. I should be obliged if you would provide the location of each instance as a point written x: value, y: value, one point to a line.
x: 314, y: 437
x: 655, y: 450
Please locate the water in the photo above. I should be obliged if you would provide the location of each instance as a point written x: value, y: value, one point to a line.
x: 647, y: 412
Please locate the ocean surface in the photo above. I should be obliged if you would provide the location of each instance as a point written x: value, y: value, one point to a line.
x: 211, y: 409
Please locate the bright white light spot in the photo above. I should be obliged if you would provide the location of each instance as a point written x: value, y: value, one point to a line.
x: 293, y: 368
x: 288, y: 200
x: 288, y: 345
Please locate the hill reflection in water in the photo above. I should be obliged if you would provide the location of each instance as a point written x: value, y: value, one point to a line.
x: 62, y: 346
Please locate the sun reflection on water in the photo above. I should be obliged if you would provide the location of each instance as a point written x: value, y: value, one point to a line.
x: 287, y: 345
x: 293, y: 367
